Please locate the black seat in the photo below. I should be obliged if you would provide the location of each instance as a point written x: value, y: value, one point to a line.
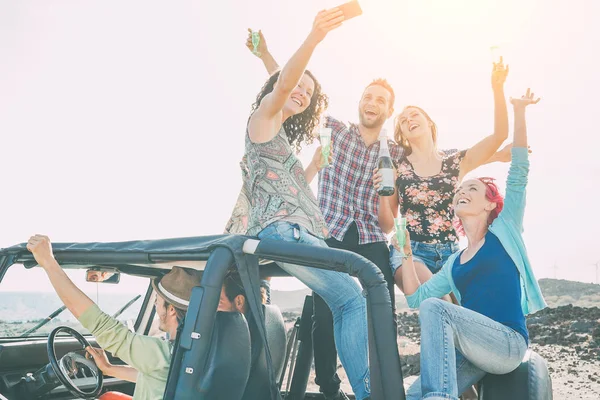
x: 276, y: 337
x: 530, y: 381
x: 229, y: 358
x: 258, y: 383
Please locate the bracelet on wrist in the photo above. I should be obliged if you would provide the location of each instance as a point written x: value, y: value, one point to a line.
x: 407, y: 255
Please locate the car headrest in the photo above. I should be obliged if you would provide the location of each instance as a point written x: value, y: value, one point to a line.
x: 258, y: 383
x: 228, y: 359
x: 276, y: 336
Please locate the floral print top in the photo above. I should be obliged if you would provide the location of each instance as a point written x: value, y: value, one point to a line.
x: 426, y: 202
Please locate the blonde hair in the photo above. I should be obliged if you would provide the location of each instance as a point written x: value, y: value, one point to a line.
x: 402, y: 140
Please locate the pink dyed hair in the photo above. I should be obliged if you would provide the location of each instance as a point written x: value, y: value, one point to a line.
x: 491, y: 194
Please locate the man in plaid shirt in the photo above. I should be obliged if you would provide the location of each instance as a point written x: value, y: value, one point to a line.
x: 350, y: 205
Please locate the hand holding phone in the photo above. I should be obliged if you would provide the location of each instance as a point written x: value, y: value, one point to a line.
x: 350, y: 9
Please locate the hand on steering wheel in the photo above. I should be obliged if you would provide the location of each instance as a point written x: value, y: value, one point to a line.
x: 69, y: 364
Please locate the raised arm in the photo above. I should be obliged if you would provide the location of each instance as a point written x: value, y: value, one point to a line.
x: 516, y: 183
x: 481, y: 152
x: 141, y: 352
x: 267, y: 119
x: 504, y: 154
x: 72, y: 297
x: 263, y: 52
x: 519, y: 106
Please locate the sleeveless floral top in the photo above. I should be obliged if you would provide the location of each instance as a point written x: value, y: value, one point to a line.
x: 277, y: 188
x: 426, y: 202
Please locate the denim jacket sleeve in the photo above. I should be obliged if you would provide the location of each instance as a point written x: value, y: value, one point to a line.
x: 514, y: 202
x: 439, y: 285
x: 508, y: 227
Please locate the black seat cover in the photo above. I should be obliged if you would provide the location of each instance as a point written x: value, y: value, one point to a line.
x: 228, y: 359
x: 258, y: 383
x: 530, y: 381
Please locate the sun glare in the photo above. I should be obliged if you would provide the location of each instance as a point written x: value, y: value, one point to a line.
x: 456, y: 27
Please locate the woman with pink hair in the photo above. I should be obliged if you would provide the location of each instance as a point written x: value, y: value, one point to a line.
x: 492, y: 280
x: 427, y: 177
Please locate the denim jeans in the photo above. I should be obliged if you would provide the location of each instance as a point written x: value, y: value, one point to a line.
x: 343, y: 296
x: 458, y: 347
x: 433, y: 255
x: 326, y: 359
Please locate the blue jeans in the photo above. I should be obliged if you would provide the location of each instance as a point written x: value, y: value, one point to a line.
x: 432, y: 255
x: 343, y: 296
x: 458, y: 347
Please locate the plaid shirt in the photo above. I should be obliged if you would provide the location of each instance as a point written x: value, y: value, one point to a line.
x: 346, y: 192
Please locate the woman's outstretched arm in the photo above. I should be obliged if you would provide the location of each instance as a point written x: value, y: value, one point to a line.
x: 267, y: 119
x: 263, y: 52
x: 482, y: 151
x: 519, y: 106
x: 516, y: 183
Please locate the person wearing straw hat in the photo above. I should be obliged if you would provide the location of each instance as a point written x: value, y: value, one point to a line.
x: 148, y: 358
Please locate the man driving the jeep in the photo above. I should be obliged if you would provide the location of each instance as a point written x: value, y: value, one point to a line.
x: 148, y: 358
x: 232, y: 299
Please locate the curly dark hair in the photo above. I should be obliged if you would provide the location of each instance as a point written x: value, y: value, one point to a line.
x: 300, y: 127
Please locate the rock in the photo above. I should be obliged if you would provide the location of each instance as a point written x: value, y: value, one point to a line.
x: 551, y: 339
x: 582, y: 326
x: 540, y: 320
x: 596, y: 335
x: 411, y: 364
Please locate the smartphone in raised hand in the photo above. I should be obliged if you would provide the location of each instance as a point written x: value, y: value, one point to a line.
x: 350, y: 9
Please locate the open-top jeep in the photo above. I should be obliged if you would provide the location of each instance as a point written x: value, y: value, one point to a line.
x: 215, y: 355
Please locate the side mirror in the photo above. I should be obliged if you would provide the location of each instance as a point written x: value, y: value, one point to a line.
x: 102, y: 276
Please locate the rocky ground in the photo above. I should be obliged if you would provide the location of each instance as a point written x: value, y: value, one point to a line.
x: 568, y: 337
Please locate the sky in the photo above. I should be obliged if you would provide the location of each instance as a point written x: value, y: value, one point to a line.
x: 124, y: 120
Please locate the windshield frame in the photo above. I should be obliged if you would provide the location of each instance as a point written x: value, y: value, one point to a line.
x: 143, y: 296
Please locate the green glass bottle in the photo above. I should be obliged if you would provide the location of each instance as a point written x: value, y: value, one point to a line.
x: 386, y: 167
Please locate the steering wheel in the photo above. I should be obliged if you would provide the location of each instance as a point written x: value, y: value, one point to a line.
x: 67, y: 367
